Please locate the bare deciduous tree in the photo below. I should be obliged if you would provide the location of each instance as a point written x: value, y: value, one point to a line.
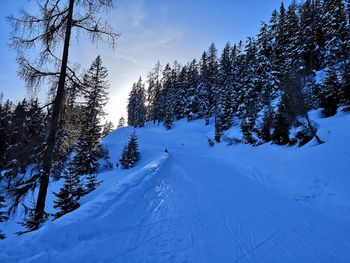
x: 50, y: 32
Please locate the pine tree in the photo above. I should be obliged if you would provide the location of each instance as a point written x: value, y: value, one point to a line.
x: 330, y: 98
x: 237, y: 58
x: 292, y: 34
x: 69, y: 194
x: 345, y: 86
x: 247, y: 128
x: 281, y: 43
x: 266, y: 79
x: 130, y: 154
x: 24, y: 142
x: 153, y: 93
x: 204, y: 89
x: 168, y: 94
x: 107, y: 128
x: 282, y: 122
x: 336, y: 31
x: 121, y: 122
x: 15, y: 154
x: 192, y: 102
x: 5, y: 130
x: 209, y: 78
x: 136, y: 105
x: 212, y: 81
x: 88, y: 150
x: 3, y: 216
x: 225, y: 97
x: 141, y: 100
x: 180, y: 93
x: 264, y: 131
x: 132, y: 106
x: 311, y: 43
x: 249, y: 92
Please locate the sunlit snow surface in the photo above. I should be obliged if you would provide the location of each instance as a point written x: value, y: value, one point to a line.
x: 233, y: 203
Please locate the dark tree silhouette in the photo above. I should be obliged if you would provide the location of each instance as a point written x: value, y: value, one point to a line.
x: 50, y: 31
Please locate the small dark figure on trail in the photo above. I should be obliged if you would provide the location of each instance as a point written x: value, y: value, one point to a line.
x: 166, y: 150
x: 210, y: 142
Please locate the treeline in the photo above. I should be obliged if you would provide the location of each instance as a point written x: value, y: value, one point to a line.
x: 78, y: 150
x: 267, y: 85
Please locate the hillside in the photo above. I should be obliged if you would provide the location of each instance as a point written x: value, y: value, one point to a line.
x: 235, y: 203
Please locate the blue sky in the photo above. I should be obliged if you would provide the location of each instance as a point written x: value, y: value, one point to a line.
x: 151, y: 30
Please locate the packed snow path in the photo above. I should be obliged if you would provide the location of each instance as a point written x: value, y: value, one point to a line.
x: 192, y: 205
x: 189, y: 217
x: 183, y: 214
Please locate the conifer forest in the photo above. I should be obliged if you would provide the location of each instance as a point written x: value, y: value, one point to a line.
x: 238, y: 155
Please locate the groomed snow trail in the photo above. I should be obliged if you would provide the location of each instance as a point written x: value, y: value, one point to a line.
x: 180, y: 213
x: 192, y: 205
x: 193, y: 218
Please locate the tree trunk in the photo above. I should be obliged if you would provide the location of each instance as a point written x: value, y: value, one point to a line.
x: 58, y: 106
x: 312, y: 129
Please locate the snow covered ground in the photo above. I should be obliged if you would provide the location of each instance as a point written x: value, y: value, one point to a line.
x: 202, y: 204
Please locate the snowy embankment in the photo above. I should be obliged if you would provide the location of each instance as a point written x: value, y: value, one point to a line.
x: 207, y: 204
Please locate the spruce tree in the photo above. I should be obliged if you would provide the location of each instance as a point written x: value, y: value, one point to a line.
x: 212, y: 81
x: 25, y: 139
x: 69, y: 194
x: 282, y: 122
x: 311, y: 43
x: 336, y: 32
x: 330, y: 94
x: 107, y: 128
x: 247, y: 128
x: 153, y: 94
x: 136, y: 105
x: 5, y: 130
x: 121, y: 122
x: 224, y: 101
x: 130, y: 154
x: 266, y: 79
x: 180, y: 93
x: 281, y: 43
x: 249, y: 93
x: 292, y: 34
x: 3, y: 216
x: 209, y: 82
x: 264, y: 131
x: 132, y: 106
x: 88, y: 150
x: 169, y: 81
x: 345, y: 86
x: 237, y: 58
x: 192, y: 102
x: 204, y: 89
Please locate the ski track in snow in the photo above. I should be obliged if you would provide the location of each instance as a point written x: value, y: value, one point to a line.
x: 189, y: 206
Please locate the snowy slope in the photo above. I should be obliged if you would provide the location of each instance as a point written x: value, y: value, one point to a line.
x: 200, y: 204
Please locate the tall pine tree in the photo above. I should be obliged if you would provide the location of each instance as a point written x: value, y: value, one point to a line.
x: 88, y: 150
